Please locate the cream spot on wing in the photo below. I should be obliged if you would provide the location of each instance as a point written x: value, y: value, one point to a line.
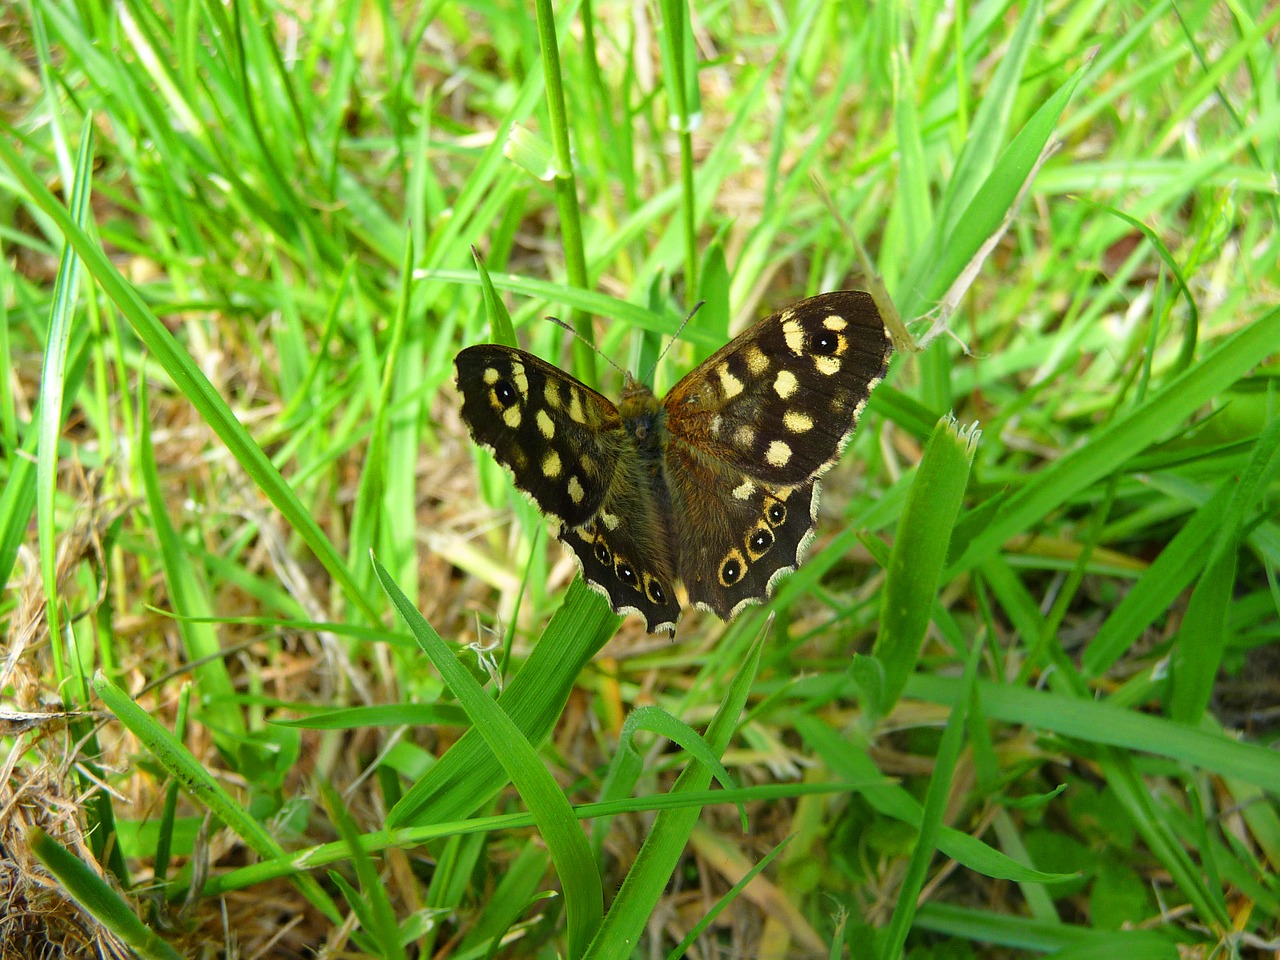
x: 575, y: 406
x: 518, y: 375
x: 491, y: 375
x: 797, y: 422
x: 511, y: 417
x: 715, y: 425
x: 745, y: 436
x: 744, y: 490
x: 778, y: 454
x: 576, y: 493
x: 827, y: 365
x: 730, y: 384
x: 681, y: 592
x: 552, y: 392
x: 610, y: 520
x: 546, y: 426
x: 793, y: 333
x: 835, y: 322
x: 757, y: 362
x: 588, y: 466
x: 551, y: 464
x: 785, y: 384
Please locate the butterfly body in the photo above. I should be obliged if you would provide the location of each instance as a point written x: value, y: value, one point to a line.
x: 707, y: 497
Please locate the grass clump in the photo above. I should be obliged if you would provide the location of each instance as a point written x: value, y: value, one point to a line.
x: 1018, y: 700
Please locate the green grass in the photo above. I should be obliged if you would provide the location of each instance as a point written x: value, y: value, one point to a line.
x: 1020, y: 698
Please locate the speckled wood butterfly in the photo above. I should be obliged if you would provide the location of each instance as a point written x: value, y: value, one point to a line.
x: 708, y: 497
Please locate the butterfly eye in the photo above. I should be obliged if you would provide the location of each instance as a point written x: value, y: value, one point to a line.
x: 731, y: 570
x: 777, y: 513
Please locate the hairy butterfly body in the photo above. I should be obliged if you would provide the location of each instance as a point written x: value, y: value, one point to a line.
x: 707, y: 497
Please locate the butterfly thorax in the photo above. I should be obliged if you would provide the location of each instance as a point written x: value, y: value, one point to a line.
x: 644, y: 418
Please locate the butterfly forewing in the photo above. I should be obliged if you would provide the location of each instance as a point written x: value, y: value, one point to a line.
x: 559, y: 438
x: 777, y: 403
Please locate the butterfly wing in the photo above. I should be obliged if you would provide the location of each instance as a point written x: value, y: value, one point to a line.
x: 734, y: 543
x: 627, y: 551
x: 566, y: 447
x: 750, y: 432
x: 556, y: 435
x: 778, y: 402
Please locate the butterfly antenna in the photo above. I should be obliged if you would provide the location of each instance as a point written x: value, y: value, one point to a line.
x: 676, y: 336
x: 565, y: 326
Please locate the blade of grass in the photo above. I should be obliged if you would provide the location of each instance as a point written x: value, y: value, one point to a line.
x: 565, y: 839
x: 1126, y: 437
x: 97, y: 897
x: 665, y: 843
x: 566, y: 188
x: 1102, y: 723
x: 935, y: 804
x: 469, y: 773
x: 919, y: 552
x: 52, y: 397
x: 373, y: 894
x: 190, y: 601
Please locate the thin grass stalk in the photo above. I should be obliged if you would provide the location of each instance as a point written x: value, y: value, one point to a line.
x: 566, y: 187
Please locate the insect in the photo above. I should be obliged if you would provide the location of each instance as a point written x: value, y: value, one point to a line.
x: 707, y: 497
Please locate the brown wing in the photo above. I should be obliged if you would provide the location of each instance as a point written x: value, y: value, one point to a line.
x: 556, y: 435
x: 566, y: 447
x: 777, y: 403
x: 734, y: 543
x: 750, y: 432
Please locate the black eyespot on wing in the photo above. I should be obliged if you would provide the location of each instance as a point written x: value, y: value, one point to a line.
x: 730, y: 571
x: 602, y: 554
x: 625, y: 574
x: 760, y: 541
x: 505, y: 393
x: 825, y: 342
x: 776, y: 514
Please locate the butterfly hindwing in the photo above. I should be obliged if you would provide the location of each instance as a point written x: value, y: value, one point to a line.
x: 778, y: 402
x: 559, y: 438
x: 748, y: 535
x: 625, y: 551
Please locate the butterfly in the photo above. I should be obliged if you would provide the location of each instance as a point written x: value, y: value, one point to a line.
x: 708, y: 497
